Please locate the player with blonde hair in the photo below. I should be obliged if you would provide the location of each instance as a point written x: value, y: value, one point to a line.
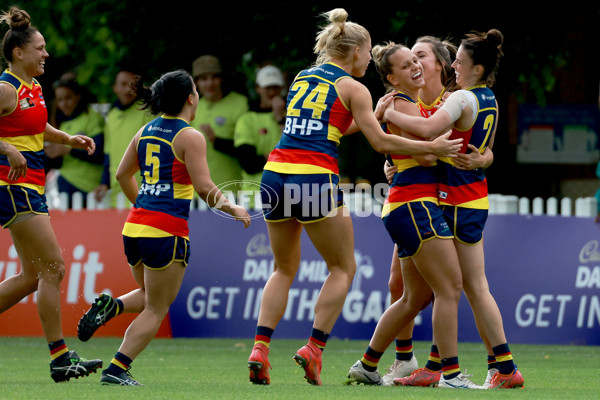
x: 322, y: 103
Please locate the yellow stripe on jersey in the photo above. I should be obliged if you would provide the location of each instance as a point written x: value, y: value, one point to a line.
x: 183, y: 191
x: 288, y: 168
x: 37, y: 188
x: 334, y: 134
x: 447, y: 160
x: 26, y: 143
x: 479, y: 204
x: 157, y: 138
x: 137, y: 230
x: 389, y: 207
x: 405, y: 164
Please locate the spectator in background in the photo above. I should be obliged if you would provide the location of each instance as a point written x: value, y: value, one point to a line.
x: 122, y: 122
x: 79, y: 172
x: 258, y: 130
x: 55, y: 117
x: 218, y: 110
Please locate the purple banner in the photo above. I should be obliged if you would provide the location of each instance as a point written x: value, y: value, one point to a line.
x: 545, y: 275
x: 543, y: 271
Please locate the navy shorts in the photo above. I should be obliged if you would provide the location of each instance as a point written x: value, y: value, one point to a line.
x: 156, y: 253
x: 17, y: 200
x: 413, y: 223
x: 466, y: 223
x: 305, y: 197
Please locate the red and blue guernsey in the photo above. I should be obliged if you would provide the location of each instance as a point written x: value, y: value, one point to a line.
x: 316, y: 120
x: 429, y: 109
x: 24, y: 128
x: 162, y: 206
x: 412, y: 182
x: 463, y: 188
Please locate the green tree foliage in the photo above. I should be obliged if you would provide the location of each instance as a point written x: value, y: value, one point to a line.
x: 95, y: 37
x: 79, y: 37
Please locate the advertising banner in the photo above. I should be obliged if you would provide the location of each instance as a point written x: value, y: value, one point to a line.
x: 92, y: 248
x: 544, y: 273
x: 221, y: 293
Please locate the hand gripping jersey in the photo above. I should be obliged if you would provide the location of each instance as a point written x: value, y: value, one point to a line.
x: 412, y: 182
x: 162, y: 206
x: 462, y: 188
x: 316, y: 120
x: 24, y: 128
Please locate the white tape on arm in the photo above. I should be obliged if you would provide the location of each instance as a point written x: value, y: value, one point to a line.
x: 455, y: 104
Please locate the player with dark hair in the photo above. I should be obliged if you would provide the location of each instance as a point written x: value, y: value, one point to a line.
x: 23, y: 129
x: 473, y: 114
x: 170, y: 156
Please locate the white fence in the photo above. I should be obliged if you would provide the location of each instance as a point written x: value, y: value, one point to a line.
x: 584, y: 207
x: 363, y: 204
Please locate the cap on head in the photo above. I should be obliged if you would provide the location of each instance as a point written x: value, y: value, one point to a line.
x: 269, y: 76
x: 206, y: 65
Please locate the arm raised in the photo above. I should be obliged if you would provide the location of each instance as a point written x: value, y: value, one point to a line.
x: 358, y: 99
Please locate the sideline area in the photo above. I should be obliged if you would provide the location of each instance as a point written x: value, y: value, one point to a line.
x: 544, y: 272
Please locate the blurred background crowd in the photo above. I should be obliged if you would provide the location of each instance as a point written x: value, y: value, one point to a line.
x: 547, y: 86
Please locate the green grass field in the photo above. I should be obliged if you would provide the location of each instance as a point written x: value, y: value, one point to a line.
x: 217, y: 369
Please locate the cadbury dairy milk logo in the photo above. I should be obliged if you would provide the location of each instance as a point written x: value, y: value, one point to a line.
x: 258, y: 246
x: 590, y: 252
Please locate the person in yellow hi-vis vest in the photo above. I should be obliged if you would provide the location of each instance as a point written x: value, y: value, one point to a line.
x: 122, y: 122
x: 218, y: 110
x: 258, y: 130
x: 79, y: 172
